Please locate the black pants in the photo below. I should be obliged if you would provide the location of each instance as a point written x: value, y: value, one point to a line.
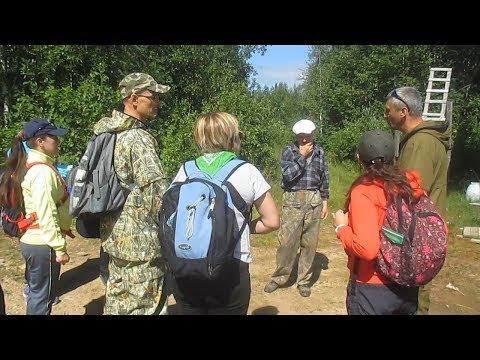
x: 2, y: 301
x: 379, y: 299
x: 227, y: 296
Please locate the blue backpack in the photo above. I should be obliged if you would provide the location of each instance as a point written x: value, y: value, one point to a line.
x: 198, y: 226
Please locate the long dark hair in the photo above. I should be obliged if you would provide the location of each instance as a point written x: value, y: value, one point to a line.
x: 395, y: 182
x: 10, y: 185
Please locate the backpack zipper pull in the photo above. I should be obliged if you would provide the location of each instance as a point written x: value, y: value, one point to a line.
x: 210, y: 208
x: 191, y: 216
x: 190, y: 221
x: 170, y: 221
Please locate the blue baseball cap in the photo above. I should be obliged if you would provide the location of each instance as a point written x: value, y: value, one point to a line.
x: 36, y: 127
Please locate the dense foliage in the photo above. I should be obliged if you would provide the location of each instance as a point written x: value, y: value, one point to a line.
x: 76, y: 85
x: 346, y: 86
x: 343, y: 93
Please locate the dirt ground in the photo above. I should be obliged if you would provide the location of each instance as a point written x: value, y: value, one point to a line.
x: 455, y: 291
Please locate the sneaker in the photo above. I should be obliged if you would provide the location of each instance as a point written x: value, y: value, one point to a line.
x: 56, y: 301
x: 304, y: 290
x: 271, y: 287
x: 26, y: 291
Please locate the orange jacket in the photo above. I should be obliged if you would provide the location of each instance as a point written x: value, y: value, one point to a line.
x: 361, y: 238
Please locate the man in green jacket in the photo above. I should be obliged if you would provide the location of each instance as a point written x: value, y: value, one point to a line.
x: 423, y: 148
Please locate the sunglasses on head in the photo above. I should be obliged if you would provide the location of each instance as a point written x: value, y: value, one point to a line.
x: 396, y: 96
x: 44, y: 126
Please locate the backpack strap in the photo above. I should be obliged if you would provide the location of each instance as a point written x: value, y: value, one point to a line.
x: 223, y: 175
x: 64, y: 185
x: 398, y: 204
x: 189, y: 167
x: 31, y: 218
x: 228, y: 169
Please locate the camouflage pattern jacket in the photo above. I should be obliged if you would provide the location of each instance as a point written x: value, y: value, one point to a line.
x: 132, y: 233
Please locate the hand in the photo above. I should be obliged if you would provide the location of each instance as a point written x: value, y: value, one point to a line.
x: 306, y: 149
x: 339, y: 217
x: 324, y: 210
x: 62, y: 259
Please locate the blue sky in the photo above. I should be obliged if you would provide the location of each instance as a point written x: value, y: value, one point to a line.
x: 280, y: 63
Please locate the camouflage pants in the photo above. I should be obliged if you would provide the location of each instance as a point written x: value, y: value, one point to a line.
x: 135, y: 287
x: 424, y: 299
x: 299, y: 228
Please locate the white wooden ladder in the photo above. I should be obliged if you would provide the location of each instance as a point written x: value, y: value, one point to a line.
x: 435, y: 105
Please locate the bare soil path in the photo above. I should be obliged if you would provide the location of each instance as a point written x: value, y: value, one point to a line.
x: 456, y: 290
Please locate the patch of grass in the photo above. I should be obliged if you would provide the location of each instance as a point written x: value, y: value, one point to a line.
x: 11, y: 263
x: 459, y: 212
x: 341, y: 176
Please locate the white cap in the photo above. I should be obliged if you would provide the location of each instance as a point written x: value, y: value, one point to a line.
x: 303, y: 127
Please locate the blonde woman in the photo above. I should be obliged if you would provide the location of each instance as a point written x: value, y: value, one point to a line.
x: 218, y: 137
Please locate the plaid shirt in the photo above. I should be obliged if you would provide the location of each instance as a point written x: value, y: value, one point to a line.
x: 297, y: 174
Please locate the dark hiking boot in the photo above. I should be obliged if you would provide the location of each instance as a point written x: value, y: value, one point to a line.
x: 304, y: 290
x: 271, y: 287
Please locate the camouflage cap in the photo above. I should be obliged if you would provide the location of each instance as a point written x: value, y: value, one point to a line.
x: 136, y: 82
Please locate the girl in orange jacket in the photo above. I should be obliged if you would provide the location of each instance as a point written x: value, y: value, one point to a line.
x: 368, y: 292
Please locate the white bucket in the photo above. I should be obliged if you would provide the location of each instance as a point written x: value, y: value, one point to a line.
x: 473, y: 192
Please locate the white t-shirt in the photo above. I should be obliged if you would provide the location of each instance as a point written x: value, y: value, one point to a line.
x: 251, y: 185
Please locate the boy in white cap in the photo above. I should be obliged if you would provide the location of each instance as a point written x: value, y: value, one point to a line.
x: 305, y: 181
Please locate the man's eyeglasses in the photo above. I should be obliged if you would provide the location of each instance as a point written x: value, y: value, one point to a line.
x: 396, y: 96
x: 155, y: 97
x: 44, y: 126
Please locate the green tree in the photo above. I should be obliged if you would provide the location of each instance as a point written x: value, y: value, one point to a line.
x: 75, y: 85
x: 347, y: 86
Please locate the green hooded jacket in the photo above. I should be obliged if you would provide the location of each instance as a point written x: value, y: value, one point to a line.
x: 424, y: 150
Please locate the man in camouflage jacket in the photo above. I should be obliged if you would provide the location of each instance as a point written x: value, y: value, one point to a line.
x: 130, y: 236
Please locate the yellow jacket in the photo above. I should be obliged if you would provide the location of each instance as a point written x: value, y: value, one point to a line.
x: 42, y: 190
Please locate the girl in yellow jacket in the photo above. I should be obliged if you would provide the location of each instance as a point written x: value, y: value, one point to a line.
x: 33, y: 180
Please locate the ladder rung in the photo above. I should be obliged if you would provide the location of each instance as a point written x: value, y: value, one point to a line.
x: 432, y: 114
x: 435, y: 116
x: 430, y: 95
x: 442, y: 86
x: 442, y: 118
x: 431, y: 101
x: 429, y: 90
x: 440, y: 69
x: 439, y: 79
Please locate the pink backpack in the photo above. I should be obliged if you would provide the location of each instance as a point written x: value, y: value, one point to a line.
x: 413, y: 243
